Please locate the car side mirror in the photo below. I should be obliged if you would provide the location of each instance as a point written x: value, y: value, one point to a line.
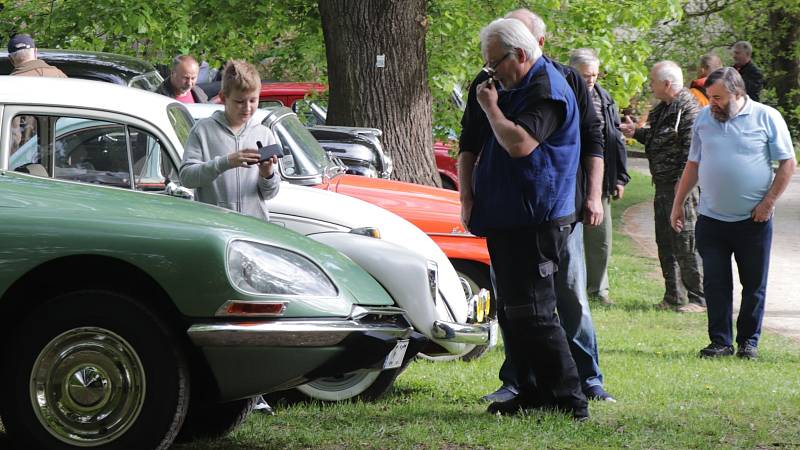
x: 174, y: 190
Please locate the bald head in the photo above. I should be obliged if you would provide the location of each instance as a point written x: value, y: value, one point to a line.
x: 184, y: 74
x: 533, y: 22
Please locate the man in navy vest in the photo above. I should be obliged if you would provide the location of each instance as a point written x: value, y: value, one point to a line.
x: 524, y: 202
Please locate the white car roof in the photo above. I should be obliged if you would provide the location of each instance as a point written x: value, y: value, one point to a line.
x: 80, y: 93
x: 204, y: 110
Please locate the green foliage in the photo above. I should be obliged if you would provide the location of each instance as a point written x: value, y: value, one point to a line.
x: 618, y: 30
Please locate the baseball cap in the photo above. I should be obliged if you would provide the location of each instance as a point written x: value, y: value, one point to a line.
x: 20, y: 42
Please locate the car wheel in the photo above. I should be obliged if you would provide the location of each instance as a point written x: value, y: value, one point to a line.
x: 365, y: 386
x: 476, y: 279
x: 447, y: 183
x: 93, y: 369
x: 215, y: 420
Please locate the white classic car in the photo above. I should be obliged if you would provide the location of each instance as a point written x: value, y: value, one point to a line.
x: 457, y: 321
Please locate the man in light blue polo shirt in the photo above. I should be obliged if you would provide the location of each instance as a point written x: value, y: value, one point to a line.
x: 734, y: 142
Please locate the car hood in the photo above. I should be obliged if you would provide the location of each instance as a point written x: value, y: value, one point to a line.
x: 350, y: 212
x: 125, y: 211
x: 438, y: 209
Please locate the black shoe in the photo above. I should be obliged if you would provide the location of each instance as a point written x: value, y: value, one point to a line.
x: 598, y: 393
x: 521, y: 404
x: 715, y: 350
x: 747, y: 351
x: 504, y: 394
x: 517, y: 404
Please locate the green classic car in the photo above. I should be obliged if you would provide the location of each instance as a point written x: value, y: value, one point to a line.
x: 132, y: 316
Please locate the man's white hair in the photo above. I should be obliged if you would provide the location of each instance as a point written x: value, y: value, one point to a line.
x: 744, y: 46
x: 583, y: 57
x: 510, y: 34
x: 22, y: 56
x: 668, y: 71
x: 534, y: 23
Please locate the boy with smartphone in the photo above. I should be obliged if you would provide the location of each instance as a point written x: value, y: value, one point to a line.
x: 222, y: 161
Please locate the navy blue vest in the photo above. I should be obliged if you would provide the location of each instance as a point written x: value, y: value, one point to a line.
x: 537, y: 188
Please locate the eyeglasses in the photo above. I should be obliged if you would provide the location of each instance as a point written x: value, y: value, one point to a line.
x: 490, y: 70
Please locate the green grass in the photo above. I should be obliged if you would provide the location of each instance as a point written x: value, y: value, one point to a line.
x: 668, y: 398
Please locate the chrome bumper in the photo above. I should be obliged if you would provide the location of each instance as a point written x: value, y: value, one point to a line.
x: 300, y: 333
x: 475, y: 333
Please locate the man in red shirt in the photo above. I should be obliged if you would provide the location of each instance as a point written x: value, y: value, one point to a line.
x: 181, y: 84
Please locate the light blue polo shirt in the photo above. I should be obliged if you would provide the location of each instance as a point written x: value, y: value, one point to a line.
x: 735, y: 159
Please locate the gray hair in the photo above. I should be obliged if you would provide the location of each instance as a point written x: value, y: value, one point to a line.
x: 583, y: 57
x: 511, y: 34
x: 22, y: 56
x: 744, y: 46
x: 534, y: 23
x: 710, y: 61
x: 669, y: 71
x: 731, y: 79
x: 178, y: 60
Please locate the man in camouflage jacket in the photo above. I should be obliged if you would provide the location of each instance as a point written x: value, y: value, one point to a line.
x: 666, y: 138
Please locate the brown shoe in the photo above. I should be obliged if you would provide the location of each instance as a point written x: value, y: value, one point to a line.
x: 601, y: 300
x: 692, y: 308
x: 665, y: 306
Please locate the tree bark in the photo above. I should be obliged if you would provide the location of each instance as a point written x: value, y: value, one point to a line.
x: 786, y: 64
x: 394, y: 98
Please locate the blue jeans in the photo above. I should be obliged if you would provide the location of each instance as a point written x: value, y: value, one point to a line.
x: 750, y: 244
x: 572, y: 304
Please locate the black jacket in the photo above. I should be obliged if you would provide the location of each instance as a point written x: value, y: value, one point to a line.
x: 166, y: 89
x: 615, y: 157
x: 753, y: 80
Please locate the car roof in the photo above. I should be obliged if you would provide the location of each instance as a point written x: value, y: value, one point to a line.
x: 81, y: 93
x: 124, y: 67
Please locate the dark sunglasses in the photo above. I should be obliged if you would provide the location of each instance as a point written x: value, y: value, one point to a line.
x: 490, y: 70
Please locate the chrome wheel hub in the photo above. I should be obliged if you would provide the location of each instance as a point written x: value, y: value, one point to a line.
x: 87, y: 386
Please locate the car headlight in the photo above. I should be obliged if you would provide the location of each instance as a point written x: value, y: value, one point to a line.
x: 264, y: 269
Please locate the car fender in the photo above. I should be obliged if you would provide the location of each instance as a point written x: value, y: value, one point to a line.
x: 403, y: 273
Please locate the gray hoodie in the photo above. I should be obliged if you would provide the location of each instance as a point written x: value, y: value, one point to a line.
x: 206, y: 169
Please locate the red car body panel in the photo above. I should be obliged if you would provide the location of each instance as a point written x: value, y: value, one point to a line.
x: 446, y: 164
x: 285, y: 92
x: 435, y: 211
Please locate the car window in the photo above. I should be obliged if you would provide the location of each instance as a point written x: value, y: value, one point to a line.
x: 306, y: 156
x: 94, y: 151
x: 148, y: 81
x: 151, y: 165
x: 91, y: 151
x: 181, y: 121
x: 269, y: 103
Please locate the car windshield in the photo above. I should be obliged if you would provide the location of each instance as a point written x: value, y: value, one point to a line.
x: 181, y: 121
x: 304, y: 156
x: 148, y: 81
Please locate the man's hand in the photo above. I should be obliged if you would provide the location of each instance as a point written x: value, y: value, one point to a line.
x: 486, y: 94
x: 676, y: 218
x: 592, y: 212
x: 618, y: 192
x: 466, y: 212
x: 628, y: 127
x: 763, y: 211
x: 244, y: 158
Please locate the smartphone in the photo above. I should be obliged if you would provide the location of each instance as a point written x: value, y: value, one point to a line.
x: 269, y: 151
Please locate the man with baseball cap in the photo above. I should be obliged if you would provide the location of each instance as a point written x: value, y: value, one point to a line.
x: 23, y: 55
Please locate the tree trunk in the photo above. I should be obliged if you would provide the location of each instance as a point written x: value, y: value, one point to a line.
x: 394, y: 98
x: 786, y: 64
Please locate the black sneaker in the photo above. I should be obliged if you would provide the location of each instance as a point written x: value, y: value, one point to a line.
x: 747, y: 351
x: 504, y: 394
x: 715, y: 350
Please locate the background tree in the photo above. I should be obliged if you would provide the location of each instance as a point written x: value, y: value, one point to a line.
x: 378, y: 77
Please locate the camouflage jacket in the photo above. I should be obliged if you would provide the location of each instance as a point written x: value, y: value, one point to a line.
x: 667, y: 137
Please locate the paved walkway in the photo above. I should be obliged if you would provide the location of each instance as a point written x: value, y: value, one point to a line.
x: 783, y: 290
